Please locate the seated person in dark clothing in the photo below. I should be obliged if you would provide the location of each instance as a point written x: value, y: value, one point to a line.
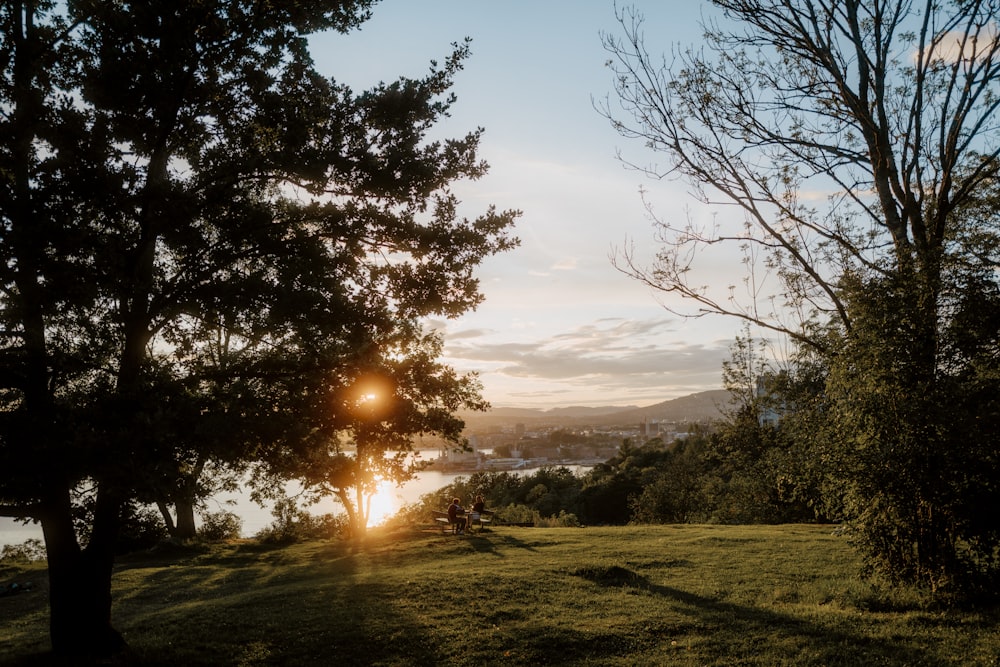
x: 477, y: 511
x: 456, y: 516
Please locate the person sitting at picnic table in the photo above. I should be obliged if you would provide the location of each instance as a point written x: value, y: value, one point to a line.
x: 456, y: 516
x: 477, y: 511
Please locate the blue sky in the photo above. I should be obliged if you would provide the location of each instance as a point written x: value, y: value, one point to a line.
x: 559, y: 326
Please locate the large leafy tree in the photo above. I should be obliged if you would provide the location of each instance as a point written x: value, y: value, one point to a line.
x: 888, y: 108
x: 395, y: 394
x: 204, y: 244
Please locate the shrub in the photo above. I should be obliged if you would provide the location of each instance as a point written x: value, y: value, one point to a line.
x: 292, y: 524
x: 141, y: 528
x: 30, y: 550
x: 412, y: 514
x: 220, y: 526
x: 519, y: 514
x: 563, y: 520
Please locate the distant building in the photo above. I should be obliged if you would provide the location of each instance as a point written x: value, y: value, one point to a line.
x: 649, y: 429
x: 450, y: 459
x: 770, y: 410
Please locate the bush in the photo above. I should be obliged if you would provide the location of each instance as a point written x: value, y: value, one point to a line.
x: 517, y: 514
x: 522, y: 514
x: 30, y: 550
x: 141, y: 528
x: 563, y: 520
x: 292, y: 524
x: 412, y: 514
x: 220, y: 526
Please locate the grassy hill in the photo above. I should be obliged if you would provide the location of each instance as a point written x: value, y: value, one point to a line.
x: 676, y: 595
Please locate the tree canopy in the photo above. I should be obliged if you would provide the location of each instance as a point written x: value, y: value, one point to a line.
x: 859, y: 142
x: 205, y: 244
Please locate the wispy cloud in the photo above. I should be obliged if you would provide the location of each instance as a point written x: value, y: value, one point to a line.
x: 611, y: 357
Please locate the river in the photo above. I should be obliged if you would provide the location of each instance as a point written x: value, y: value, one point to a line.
x: 387, y: 502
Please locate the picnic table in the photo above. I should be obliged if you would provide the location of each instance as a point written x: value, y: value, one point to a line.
x: 441, y: 518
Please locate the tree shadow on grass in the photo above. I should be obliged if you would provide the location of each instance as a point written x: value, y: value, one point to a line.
x: 745, y: 625
x: 483, y: 545
x: 488, y: 542
x: 525, y: 545
x: 348, y: 612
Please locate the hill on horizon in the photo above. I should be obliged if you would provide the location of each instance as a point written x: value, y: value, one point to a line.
x: 700, y: 406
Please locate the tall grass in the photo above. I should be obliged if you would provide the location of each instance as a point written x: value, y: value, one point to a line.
x: 673, y: 595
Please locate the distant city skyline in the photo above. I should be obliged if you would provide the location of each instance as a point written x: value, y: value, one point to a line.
x: 560, y: 325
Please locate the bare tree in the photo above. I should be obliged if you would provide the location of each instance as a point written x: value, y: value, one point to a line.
x: 886, y: 108
x: 859, y: 139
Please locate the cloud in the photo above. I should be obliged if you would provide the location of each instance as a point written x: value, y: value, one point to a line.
x: 565, y: 265
x: 611, y: 358
x: 977, y: 46
x: 468, y: 334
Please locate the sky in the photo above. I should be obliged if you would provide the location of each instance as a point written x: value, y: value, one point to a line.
x: 559, y: 325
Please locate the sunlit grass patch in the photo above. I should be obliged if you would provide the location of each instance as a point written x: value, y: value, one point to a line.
x: 679, y: 595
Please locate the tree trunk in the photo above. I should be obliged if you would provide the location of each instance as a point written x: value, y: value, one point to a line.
x: 168, y: 518
x: 185, y: 528
x: 186, y: 499
x: 80, y: 580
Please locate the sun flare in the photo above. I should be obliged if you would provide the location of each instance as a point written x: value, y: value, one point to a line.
x: 383, y: 504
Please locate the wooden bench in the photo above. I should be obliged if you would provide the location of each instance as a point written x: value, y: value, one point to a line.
x: 485, y: 518
x: 441, y: 518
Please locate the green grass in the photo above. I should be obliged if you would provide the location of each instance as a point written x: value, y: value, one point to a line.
x: 663, y: 595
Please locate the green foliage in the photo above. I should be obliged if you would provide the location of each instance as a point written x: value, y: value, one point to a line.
x: 609, y: 488
x: 562, y: 520
x: 516, y: 514
x: 923, y: 476
x: 141, y: 528
x: 728, y: 474
x: 30, y: 550
x: 894, y: 434
x: 292, y: 524
x: 519, y: 515
x: 220, y: 526
x: 811, y: 452
x: 544, y: 493
x: 676, y: 495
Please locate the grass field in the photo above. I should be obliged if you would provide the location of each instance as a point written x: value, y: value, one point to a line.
x: 662, y: 595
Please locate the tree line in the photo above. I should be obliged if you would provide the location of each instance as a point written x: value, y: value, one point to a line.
x: 729, y: 472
